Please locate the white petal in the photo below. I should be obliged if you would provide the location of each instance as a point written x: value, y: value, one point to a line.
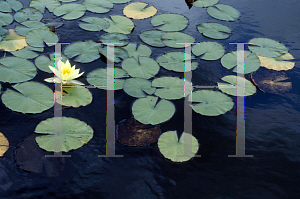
x: 50, y: 80
x: 78, y: 75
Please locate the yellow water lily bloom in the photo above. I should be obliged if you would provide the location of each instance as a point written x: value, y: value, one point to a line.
x: 65, y: 74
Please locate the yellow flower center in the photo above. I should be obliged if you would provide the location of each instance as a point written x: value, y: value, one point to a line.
x: 66, y: 70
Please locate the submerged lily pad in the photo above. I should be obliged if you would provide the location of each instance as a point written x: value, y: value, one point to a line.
x: 56, y: 22
x: 27, y: 52
x: 98, y: 6
x: 5, y: 19
x: 42, y: 4
x: 30, y: 25
x: 277, y: 63
x: 176, y: 39
x: 205, y: 3
x: 4, y: 144
x: 74, y: 134
x: 8, y: 5
x: 142, y: 50
x: 43, y: 62
x: 267, y: 47
x: 94, y: 24
x: 137, y: 10
x: 115, y: 38
x: 209, y: 49
x: 153, y: 38
x: 13, y: 41
x: 233, y: 88
x: 223, y: 12
x: 148, y: 111
x: 137, y: 87
x: 75, y: 97
x: 118, y: 53
x: 214, y: 30
x: 119, y: 24
x: 174, y: 150
x: 70, y: 11
x: 170, y: 22
x: 28, y: 14
x: 32, y: 97
x: 37, y: 37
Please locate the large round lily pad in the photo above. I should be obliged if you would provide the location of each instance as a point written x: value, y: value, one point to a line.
x: 119, y: 24
x: 94, y: 24
x: 70, y: 11
x: 37, y: 37
x: 28, y: 14
x: 223, y: 12
x: 42, y: 4
x: 153, y: 38
x: 176, y: 39
x: 137, y: 10
x: 214, y: 30
x: 74, y: 134
x: 142, y: 50
x: 209, y: 49
x: 267, y: 47
x: 98, y: 6
x: 137, y: 87
x: 235, y: 89
x: 170, y: 22
x: 277, y: 63
x: 75, y: 97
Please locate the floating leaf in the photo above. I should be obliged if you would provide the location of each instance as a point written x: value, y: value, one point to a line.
x: 4, y: 145
x: 15, y: 69
x: 3, y: 33
x: 66, y: 1
x: 28, y: 14
x: 144, y: 67
x: 137, y: 87
x: 42, y: 4
x: 212, y: 103
x: 251, y: 63
x: 70, y: 11
x: 118, y: 53
x: 211, y: 50
x: 98, y: 78
x: 142, y: 50
x: 75, y: 97
x: 119, y: 24
x: 170, y: 22
x: 115, y: 38
x: 30, y: 25
x: 132, y: 133
x: 37, y: 37
x: 32, y: 97
x: 171, y: 87
x: 205, y: 3
x: 119, y: 1
x: 5, y: 19
x: 56, y: 22
x: 148, y: 111
x: 43, y: 62
x: 267, y: 47
x: 235, y: 89
x: 277, y: 63
x: 223, y: 12
x: 175, y: 61
x: 4, y: 7
x: 176, y: 39
x: 137, y: 10
x: 8, y: 5
x: 214, y: 30
x: 178, y: 151
x: 74, y: 134
x: 94, y: 24
x: 27, y: 52
x: 98, y: 6
x: 13, y: 41
x: 152, y: 38
x: 88, y: 51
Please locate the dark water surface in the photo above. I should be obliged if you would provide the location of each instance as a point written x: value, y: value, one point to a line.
x: 271, y: 125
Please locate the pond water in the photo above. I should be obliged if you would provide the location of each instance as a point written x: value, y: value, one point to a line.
x: 271, y: 124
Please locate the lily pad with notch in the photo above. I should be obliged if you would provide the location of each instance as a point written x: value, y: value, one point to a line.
x: 98, y: 6
x: 5, y: 19
x: 138, y: 87
x: 214, y: 30
x: 94, y: 24
x: 223, y: 12
x: 176, y: 39
x: 13, y: 41
x: 235, y: 89
x: 70, y: 11
x: 205, y: 3
x: 119, y: 24
x: 137, y: 10
x: 30, y: 25
x: 119, y: 53
x: 28, y: 14
x: 115, y: 38
x: 170, y: 22
x: 142, y: 50
x: 267, y: 47
x: 153, y: 38
x: 42, y: 4
x: 9, y: 5
x: 209, y: 49
x: 37, y: 37
x: 75, y: 97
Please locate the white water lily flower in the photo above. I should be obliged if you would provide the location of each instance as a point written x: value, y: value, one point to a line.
x: 65, y: 74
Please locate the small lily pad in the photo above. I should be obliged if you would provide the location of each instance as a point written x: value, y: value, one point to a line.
x: 235, y: 89
x: 28, y: 14
x: 119, y: 24
x: 142, y: 50
x: 223, y: 12
x: 119, y: 53
x: 137, y: 87
x: 75, y: 97
x: 153, y: 38
x: 43, y: 62
x: 267, y: 47
x: 209, y: 49
x: 13, y: 41
x: 94, y: 24
x: 30, y: 25
x: 37, y: 37
x: 214, y: 30
x: 4, y: 144
x: 115, y: 38
x: 98, y: 6
x: 205, y: 3
x: 137, y: 10
x: 42, y: 4
x: 176, y: 39
x: 70, y: 11
x: 5, y: 19
x: 27, y: 52
x: 170, y: 22
x: 277, y: 63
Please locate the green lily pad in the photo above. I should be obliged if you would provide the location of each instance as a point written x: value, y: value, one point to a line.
x: 212, y: 103
x: 214, y: 30
x: 209, y: 49
x: 15, y: 69
x: 172, y: 39
x: 137, y: 87
x: 205, y: 3
x: 115, y: 38
x: 119, y: 24
x: 118, y: 53
x: 144, y: 67
x: 42, y: 4
x: 76, y: 97
x: 3, y: 32
x: 170, y: 22
x: 267, y: 47
x: 32, y: 97
x: 70, y: 11
x: 28, y: 14
x: 37, y: 37
x: 251, y: 63
x: 56, y: 22
x: 5, y: 19
x: 175, y: 61
x: 98, y: 77
x: 4, y: 7
x: 30, y: 25
x: 88, y: 51
x: 27, y: 52
x: 171, y: 87
x: 74, y: 134
x: 67, y: 1
x: 223, y: 12
x: 153, y: 38
x: 236, y: 90
x: 142, y: 50
x: 119, y: 1
x: 174, y: 150
x: 148, y: 111
x: 43, y: 62
x: 8, y: 5
x: 94, y: 24
x: 98, y: 6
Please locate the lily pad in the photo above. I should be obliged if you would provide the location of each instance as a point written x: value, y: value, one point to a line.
x: 70, y: 11
x: 170, y: 22
x: 234, y: 89
x: 8, y: 5
x: 137, y: 10
x: 223, y: 12
x: 119, y: 24
x: 94, y: 24
x: 75, y: 97
x: 42, y: 4
x: 13, y: 41
x: 88, y: 51
x: 144, y: 67
x: 98, y: 6
x: 30, y: 25
x: 74, y: 134
x: 3, y: 33
x: 137, y: 87
x: 27, y: 52
x: 214, y: 30
x: 132, y: 133
x: 32, y: 97
x: 37, y: 37
x: 212, y: 103
x: 4, y: 144
x: 119, y: 1
x: 142, y: 50
x: 148, y: 111
x: 175, y: 61
x: 205, y: 3
x: 277, y: 63
x: 15, y: 69
x: 115, y: 38
x: 28, y: 14
x: 153, y: 38
x: 98, y: 78
x: 251, y: 63
x: 176, y: 39
x: 43, y: 62
x: 56, y: 22
x: 171, y: 87
x: 209, y: 49
x: 119, y: 53
x: 267, y: 47
x: 5, y: 19
x: 174, y: 150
